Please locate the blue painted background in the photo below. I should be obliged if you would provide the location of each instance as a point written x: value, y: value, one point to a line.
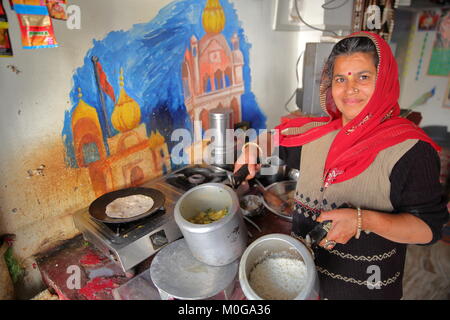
x: 151, y: 55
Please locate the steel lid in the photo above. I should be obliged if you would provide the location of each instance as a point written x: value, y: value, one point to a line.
x: 220, y: 113
x: 175, y: 271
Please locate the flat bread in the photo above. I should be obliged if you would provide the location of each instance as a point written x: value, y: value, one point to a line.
x: 130, y: 206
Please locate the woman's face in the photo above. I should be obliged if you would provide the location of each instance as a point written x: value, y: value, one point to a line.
x: 353, y: 83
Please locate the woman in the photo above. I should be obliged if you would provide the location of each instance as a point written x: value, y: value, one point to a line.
x: 373, y: 174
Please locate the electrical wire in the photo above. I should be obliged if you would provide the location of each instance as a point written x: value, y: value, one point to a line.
x: 336, y: 7
x: 315, y: 28
x: 307, y: 24
x: 298, y: 80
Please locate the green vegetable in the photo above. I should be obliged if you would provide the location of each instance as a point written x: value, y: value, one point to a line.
x: 15, y: 270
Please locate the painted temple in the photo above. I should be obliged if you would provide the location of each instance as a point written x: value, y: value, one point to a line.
x: 212, y: 72
x: 130, y: 157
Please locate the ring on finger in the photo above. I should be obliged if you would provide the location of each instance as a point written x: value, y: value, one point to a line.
x: 329, y: 244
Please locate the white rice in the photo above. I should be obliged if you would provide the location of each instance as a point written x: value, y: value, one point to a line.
x: 278, y: 277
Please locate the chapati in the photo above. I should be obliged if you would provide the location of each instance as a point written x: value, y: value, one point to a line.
x: 130, y: 206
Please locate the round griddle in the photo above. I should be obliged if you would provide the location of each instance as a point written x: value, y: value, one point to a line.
x: 97, y: 209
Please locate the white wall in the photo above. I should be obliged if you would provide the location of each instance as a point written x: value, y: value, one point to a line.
x: 272, y: 57
x: 42, y: 88
x: 411, y: 89
x: 39, y: 208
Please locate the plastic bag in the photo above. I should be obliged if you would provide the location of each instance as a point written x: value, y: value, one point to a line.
x: 5, y: 43
x: 31, y: 2
x: 57, y: 9
x: 36, y: 26
x: 3, y: 17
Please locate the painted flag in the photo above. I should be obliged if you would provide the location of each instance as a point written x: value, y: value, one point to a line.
x: 104, y: 84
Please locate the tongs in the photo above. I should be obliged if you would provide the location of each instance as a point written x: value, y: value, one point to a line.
x: 237, y: 178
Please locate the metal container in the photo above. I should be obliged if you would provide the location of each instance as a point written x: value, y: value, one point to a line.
x: 222, y: 157
x: 178, y: 275
x: 293, y: 174
x: 252, y: 205
x: 278, y: 243
x: 221, y: 120
x: 218, y: 243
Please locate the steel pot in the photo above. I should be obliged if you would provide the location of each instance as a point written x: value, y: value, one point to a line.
x: 218, y: 243
x: 278, y: 243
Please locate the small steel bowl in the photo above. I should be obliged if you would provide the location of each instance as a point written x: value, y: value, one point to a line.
x: 251, y: 205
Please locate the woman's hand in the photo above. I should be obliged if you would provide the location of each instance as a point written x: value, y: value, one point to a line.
x: 249, y: 156
x: 344, y: 225
x: 399, y: 227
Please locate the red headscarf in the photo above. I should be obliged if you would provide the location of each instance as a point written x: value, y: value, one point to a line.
x: 377, y: 127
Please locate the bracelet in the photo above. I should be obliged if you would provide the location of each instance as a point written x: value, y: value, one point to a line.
x: 254, y: 144
x: 359, y: 218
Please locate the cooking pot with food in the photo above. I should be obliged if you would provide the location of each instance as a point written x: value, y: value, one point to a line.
x: 278, y: 267
x: 210, y: 219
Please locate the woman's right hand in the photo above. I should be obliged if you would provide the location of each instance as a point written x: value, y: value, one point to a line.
x: 250, y: 157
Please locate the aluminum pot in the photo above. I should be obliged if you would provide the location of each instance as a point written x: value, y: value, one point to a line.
x: 218, y: 243
x: 278, y: 243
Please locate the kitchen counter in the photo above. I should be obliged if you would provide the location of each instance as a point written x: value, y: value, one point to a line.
x: 78, y: 271
x: 267, y: 222
x: 426, y: 268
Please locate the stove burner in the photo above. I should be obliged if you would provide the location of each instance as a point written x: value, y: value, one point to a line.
x: 190, y: 177
x: 196, y: 178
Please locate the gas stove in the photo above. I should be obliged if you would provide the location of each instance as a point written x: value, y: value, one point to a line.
x: 192, y: 176
x: 128, y: 244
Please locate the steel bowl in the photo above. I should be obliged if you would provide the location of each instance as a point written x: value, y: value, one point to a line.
x: 277, y: 243
x: 284, y: 190
x: 251, y: 205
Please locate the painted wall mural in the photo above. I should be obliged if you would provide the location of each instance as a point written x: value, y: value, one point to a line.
x: 137, y: 86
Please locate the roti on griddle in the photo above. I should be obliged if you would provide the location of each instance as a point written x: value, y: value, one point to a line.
x: 130, y: 206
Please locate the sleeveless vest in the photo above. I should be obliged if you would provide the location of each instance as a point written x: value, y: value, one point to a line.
x: 370, y: 267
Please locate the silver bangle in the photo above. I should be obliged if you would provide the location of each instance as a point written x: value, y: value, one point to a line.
x: 252, y: 143
x: 359, y: 223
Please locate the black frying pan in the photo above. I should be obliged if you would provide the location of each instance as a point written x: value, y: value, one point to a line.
x: 97, y: 209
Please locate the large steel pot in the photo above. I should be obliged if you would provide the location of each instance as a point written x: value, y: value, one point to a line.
x: 218, y: 243
x: 277, y: 243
